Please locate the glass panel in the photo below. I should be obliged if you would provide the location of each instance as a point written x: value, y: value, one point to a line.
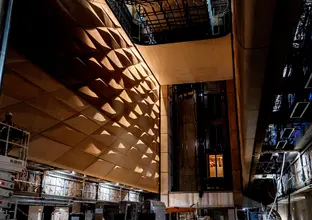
x: 220, y: 165
x: 212, y: 166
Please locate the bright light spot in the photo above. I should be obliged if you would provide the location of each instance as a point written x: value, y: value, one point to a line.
x: 153, y: 161
x: 121, y: 146
x: 144, y: 156
x: 140, y: 142
x: 150, y: 132
x: 156, y: 175
x: 132, y: 115
x: 114, y: 84
x: 107, y: 64
x: 149, y: 100
x: 108, y: 108
x: 139, y: 89
x: 128, y: 74
x: 86, y: 90
x: 157, y: 158
x: 73, y: 172
x: 124, y: 122
x: 145, y: 86
x: 148, y: 174
x: 105, y: 132
x: 138, y: 169
x: 119, y: 100
x: 155, y: 108
x: 92, y: 149
x: 149, y: 151
x: 99, y: 117
x: 138, y: 110
x: 125, y: 96
x: 143, y: 134
x: 117, y: 167
x: 153, y: 115
x: 112, y: 152
x: 116, y: 125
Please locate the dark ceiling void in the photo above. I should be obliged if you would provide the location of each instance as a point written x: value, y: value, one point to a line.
x: 150, y: 22
x: 285, y: 117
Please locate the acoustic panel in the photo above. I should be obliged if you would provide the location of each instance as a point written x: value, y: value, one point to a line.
x: 98, y: 111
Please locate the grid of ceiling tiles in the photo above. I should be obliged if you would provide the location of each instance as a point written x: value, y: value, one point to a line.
x: 108, y: 128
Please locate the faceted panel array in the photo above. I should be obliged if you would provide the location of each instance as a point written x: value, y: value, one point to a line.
x: 103, y: 120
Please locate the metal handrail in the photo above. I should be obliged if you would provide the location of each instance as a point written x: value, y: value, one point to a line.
x: 159, y: 21
x: 24, y: 138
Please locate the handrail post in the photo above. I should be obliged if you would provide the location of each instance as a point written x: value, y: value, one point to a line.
x: 7, y: 142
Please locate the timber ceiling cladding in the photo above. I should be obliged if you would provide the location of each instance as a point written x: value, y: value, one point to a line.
x: 108, y: 126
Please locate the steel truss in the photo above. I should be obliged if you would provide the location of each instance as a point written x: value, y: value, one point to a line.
x: 168, y: 21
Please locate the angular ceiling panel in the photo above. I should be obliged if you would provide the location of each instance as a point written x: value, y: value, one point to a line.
x: 91, y: 146
x: 70, y: 99
x: 29, y: 118
x: 52, y: 106
x: 76, y: 159
x: 26, y: 90
x: 99, y: 168
x: 40, y: 150
x: 35, y: 75
x: 112, y: 155
x: 95, y: 116
x: 64, y: 134
x: 83, y: 124
x: 101, y: 120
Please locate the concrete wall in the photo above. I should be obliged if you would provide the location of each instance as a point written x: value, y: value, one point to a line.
x: 164, y: 150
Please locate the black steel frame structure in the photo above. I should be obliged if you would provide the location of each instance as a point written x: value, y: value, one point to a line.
x: 285, y: 116
x: 150, y: 22
x: 211, y: 132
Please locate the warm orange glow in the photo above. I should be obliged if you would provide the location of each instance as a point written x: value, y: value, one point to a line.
x: 96, y: 35
x: 111, y: 132
x: 116, y: 125
x: 105, y: 132
x: 139, y: 89
x: 121, y: 146
x: 124, y: 95
x: 127, y: 73
x: 138, y: 169
x: 114, y: 84
x: 92, y: 149
x: 132, y: 115
x: 124, y: 122
x: 86, y: 90
x: 149, y: 151
x: 148, y: 174
x: 108, y: 108
x: 99, y: 117
x: 107, y: 64
x: 157, y: 158
x: 150, y: 132
x: 112, y: 152
x: 114, y: 58
x: 134, y: 72
x: 138, y: 110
